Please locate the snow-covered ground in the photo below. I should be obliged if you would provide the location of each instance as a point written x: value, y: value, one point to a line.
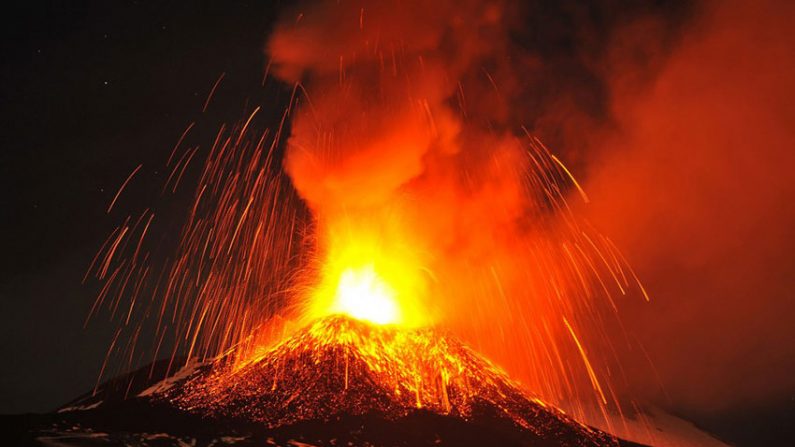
x: 656, y: 428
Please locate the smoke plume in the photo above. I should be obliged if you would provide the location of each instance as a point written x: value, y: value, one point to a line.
x: 409, y: 119
x: 408, y: 138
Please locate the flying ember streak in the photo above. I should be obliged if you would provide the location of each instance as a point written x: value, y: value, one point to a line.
x: 428, y: 208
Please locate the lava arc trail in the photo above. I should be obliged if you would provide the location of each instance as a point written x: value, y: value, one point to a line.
x: 428, y: 207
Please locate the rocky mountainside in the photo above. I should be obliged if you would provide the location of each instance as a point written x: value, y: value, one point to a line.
x: 335, y: 382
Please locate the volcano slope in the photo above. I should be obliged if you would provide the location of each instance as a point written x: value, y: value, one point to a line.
x: 335, y: 382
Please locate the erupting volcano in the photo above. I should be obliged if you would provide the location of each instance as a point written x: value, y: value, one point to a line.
x: 339, y: 381
x: 339, y: 366
x: 334, y: 268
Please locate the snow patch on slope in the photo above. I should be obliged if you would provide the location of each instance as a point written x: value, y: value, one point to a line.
x: 182, y: 374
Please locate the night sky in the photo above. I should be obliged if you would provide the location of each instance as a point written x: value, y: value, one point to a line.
x: 89, y: 91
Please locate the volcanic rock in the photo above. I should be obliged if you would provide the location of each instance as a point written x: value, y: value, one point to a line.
x: 337, y: 381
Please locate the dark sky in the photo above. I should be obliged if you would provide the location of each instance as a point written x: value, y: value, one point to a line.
x: 89, y: 91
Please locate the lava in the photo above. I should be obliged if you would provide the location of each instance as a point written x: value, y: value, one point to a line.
x: 400, y: 194
x: 369, y: 273
x: 362, y: 294
x: 340, y: 366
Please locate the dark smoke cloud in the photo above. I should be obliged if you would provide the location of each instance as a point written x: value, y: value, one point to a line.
x: 693, y: 182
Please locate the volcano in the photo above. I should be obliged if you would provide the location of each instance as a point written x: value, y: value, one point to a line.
x: 337, y: 381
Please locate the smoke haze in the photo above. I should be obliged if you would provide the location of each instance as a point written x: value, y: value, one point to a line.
x: 694, y: 186
x: 677, y: 119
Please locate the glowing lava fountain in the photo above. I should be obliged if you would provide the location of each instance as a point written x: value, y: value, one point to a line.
x: 370, y: 279
x: 405, y: 195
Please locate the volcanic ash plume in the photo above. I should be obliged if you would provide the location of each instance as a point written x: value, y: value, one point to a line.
x: 426, y: 193
x: 380, y: 148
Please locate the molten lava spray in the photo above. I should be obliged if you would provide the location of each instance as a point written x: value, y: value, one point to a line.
x: 430, y: 207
